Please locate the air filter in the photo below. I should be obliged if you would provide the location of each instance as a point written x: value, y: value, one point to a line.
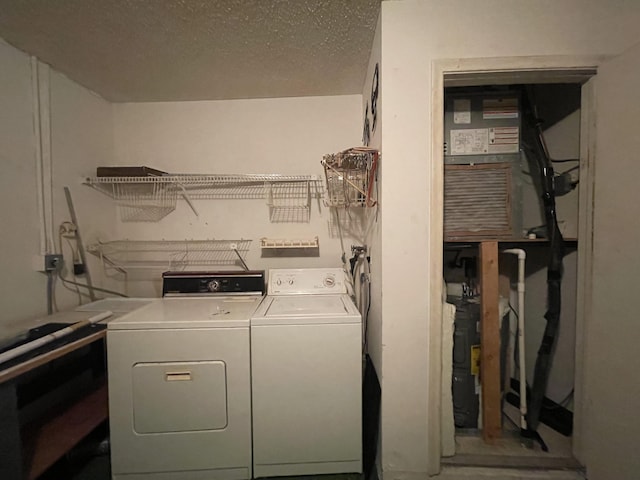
x: 478, y: 201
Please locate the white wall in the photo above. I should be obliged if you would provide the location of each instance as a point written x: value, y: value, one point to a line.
x: 284, y: 136
x: 414, y: 34
x: 22, y: 290
x: 81, y: 136
x: 81, y: 140
x: 374, y: 333
x: 612, y: 382
x: 373, y: 241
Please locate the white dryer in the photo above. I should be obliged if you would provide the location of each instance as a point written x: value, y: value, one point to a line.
x: 306, y: 363
x: 179, y: 381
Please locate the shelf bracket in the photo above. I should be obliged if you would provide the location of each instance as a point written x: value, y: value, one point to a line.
x: 186, y: 197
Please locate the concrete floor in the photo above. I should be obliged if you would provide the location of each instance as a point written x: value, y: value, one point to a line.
x: 509, y: 460
x: 469, y: 473
x: 98, y: 468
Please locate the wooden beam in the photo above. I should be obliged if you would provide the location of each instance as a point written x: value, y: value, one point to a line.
x: 490, y: 342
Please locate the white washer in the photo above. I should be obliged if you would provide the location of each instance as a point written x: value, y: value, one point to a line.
x: 306, y: 363
x: 180, y: 389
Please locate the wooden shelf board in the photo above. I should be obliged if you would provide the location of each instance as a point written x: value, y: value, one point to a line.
x: 45, y: 443
x: 490, y: 343
x: 567, y: 241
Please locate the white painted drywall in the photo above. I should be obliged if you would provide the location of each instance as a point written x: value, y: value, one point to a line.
x: 612, y: 382
x: 414, y: 34
x: 81, y: 137
x: 282, y: 136
x: 22, y: 290
x: 81, y: 140
x: 374, y: 243
x: 374, y: 332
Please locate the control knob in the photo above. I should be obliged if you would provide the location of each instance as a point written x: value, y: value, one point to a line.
x: 329, y: 281
x: 213, y: 286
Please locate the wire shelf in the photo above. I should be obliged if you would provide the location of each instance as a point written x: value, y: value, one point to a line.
x: 125, y: 255
x: 281, y: 247
x: 277, y: 243
x: 144, y: 202
x: 153, y: 197
x: 350, y: 177
x: 289, y: 202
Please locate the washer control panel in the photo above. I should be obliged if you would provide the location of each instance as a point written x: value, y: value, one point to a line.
x: 306, y: 281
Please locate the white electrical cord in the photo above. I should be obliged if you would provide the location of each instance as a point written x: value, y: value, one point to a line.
x: 349, y: 281
x: 362, y: 275
x: 67, y: 230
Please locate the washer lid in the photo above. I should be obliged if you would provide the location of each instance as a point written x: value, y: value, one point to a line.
x: 306, y: 309
x: 193, y: 312
x: 305, y: 306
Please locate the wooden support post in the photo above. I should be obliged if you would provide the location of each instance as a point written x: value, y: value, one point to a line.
x: 490, y: 342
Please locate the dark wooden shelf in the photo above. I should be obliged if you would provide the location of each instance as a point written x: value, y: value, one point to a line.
x: 525, y: 241
x: 58, y: 418
x: 46, y: 442
x: 570, y: 244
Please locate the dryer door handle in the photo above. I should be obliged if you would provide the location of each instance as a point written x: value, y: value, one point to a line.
x: 183, y: 376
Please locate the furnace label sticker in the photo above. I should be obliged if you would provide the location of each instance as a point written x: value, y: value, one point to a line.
x: 498, y: 108
x: 470, y: 141
x: 504, y: 140
x: 462, y: 110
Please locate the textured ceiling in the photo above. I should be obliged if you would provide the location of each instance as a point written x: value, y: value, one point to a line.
x: 164, y: 50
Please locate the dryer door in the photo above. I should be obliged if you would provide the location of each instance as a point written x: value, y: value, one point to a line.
x: 179, y: 396
x: 180, y: 402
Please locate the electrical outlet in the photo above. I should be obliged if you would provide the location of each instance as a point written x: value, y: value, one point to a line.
x: 52, y: 262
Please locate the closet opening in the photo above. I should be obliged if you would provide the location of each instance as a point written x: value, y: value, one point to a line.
x: 514, y: 166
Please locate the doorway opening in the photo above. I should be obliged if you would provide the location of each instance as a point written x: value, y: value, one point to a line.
x: 491, y: 191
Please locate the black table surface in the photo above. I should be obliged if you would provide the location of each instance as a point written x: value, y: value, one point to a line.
x: 41, y: 331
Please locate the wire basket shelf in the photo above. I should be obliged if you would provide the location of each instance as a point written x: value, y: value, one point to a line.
x: 350, y: 177
x: 125, y: 255
x: 144, y: 202
x: 289, y: 202
x: 152, y: 198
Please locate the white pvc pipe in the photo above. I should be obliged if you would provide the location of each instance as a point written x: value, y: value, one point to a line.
x: 44, y: 87
x: 41, y: 99
x: 35, y: 98
x: 27, y: 347
x: 522, y: 255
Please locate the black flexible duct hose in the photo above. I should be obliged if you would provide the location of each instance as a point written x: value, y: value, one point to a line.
x: 532, y: 137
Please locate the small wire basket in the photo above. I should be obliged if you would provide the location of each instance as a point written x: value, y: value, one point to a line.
x: 350, y: 177
x: 145, y: 202
x: 289, y: 202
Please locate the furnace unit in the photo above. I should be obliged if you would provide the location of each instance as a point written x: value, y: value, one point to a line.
x: 483, y: 166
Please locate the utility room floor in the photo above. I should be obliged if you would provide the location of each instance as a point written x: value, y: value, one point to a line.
x: 508, y: 459
x: 511, y: 451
